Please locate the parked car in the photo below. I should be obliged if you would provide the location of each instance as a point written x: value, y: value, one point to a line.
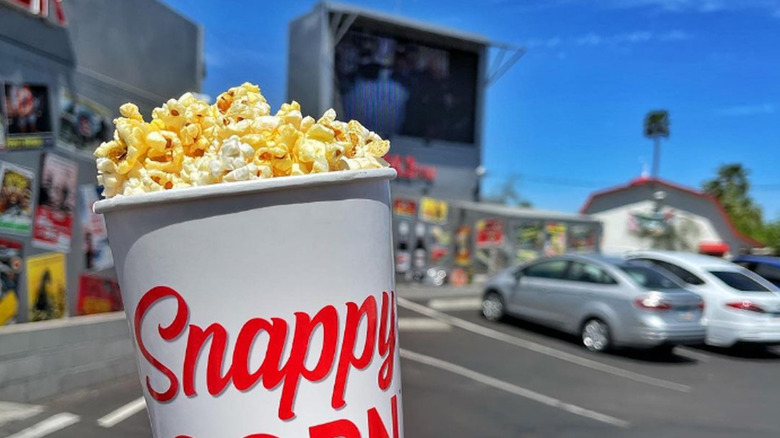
x: 608, y: 302
x: 765, y: 266
x: 741, y: 307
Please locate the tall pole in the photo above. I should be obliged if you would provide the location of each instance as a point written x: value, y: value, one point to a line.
x: 656, y: 155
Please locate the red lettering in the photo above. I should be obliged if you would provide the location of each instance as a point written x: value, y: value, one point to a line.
x: 41, y: 8
x: 335, y: 429
x: 295, y: 368
x: 269, y: 368
x: 347, y: 357
x: 169, y: 333
x: 387, y: 340
x: 376, y: 428
x: 215, y: 382
x: 211, y: 343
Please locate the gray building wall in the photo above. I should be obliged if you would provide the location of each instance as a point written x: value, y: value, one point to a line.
x: 112, y: 52
x: 311, y: 83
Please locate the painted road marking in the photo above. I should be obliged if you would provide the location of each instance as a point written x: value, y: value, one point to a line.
x: 512, y: 388
x: 455, y: 304
x: 15, y: 412
x: 422, y: 325
x: 123, y: 413
x: 48, y: 426
x: 539, y: 348
x: 690, y: 354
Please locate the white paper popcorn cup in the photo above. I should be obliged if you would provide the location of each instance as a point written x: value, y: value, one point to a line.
x: 263, y: 309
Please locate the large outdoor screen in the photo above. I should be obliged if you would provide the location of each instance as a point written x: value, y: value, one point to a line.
x: 397, y: 86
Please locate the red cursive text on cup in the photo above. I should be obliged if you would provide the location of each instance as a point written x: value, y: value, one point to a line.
x: 275, y: 369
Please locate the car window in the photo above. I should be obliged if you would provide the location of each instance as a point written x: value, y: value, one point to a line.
x: 739, y: 281
x: 771, y: 273
x: 649, y: 278
x: 682, y: 274
x: 551, y: 269
x: 588, y: 273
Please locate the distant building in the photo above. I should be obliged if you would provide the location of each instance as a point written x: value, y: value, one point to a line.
x: 651, y: 213
x: 419, y: 85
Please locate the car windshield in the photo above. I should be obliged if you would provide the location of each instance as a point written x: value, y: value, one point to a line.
x: 739, y: 281
x: 649, y: 278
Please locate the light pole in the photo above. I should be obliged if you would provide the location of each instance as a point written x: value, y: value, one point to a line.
x: 480, y: 172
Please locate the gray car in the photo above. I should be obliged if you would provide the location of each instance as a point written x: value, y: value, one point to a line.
x: 608, y: 302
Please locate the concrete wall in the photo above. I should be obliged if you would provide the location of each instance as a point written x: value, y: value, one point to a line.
x: 42, y: 359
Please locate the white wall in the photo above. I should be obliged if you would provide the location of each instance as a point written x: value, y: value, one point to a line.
x: 690, y: 229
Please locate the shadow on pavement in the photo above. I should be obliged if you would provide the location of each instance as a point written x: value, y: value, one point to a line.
x: 743, y: 351
x: 646, y: 355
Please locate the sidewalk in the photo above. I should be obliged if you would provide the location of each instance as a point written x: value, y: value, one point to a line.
x: 415, y: 291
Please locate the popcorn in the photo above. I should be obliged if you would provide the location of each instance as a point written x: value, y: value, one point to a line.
x: 191, y: 143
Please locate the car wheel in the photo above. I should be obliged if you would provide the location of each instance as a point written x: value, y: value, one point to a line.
x: 493, y: 307
x: 595, y: 335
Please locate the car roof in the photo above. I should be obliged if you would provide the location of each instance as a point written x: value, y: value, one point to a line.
x: 769, y: 260
x: 594, y: 257
x: 687, y: 257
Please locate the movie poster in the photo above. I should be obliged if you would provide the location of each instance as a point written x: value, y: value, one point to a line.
x: 10, y: 269
x: 97, y: 253
x: 16, y: 198
x: 529, y: 241
x: 98, y: 295
x: 554, y: 238
x: 27, y: 115
x: 404, y: 207
x: 442, y: 240
x: 582, y: 238
x: 463, y: 246
x: 433, y: 211
x: 84, y: 124
x: 56, y: 204
x: 490, y: 233
x: 46, y: 285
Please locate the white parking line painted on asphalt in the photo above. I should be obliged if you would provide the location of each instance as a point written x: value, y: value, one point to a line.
x: 455, y: 304
x: 422, y: 325
x: 539, y: 348
x: 15, y: 412
x: 512, y: 388
x: 690, y: 354
x: 123, y: 413
x: 48, y: 426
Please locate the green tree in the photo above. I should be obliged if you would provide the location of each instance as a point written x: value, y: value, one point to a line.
x: 731, y: 187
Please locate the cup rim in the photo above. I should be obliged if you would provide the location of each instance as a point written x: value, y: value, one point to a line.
x: 123, y: 202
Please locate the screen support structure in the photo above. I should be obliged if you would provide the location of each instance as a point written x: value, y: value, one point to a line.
x: 498, y: 66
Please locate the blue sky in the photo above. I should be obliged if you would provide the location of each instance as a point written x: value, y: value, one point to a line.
x: 567, y: 118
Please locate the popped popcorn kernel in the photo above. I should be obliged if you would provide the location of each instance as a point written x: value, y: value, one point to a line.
x: 190, y: 143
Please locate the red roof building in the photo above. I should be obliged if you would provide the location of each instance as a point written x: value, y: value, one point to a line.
x: 651, y: 213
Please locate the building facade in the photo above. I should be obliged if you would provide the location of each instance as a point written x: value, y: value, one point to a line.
x: 651, y: 213
x: 66, y: 68
x: 419, y: 85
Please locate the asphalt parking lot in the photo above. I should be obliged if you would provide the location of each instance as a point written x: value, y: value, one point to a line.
x: 466, y: 377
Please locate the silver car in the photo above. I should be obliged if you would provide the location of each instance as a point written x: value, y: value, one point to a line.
x: 608, y: 302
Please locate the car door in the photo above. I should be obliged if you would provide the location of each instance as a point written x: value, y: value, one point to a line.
x: 585, y: 282
x: 531, y: 297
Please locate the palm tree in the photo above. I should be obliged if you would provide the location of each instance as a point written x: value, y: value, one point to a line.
x: 731, y: 187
